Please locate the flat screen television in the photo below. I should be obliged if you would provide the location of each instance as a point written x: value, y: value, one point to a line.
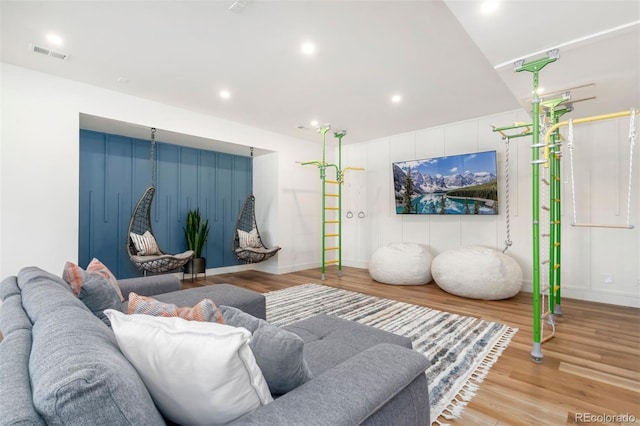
x: 455, y: 184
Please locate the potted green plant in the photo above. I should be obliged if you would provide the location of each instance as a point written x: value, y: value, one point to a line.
x: 196, y: 234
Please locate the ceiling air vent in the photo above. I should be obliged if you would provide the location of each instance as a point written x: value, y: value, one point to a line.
x: 45, y: 51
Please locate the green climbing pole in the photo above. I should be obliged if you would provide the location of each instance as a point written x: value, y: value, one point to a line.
x: 550, y: 159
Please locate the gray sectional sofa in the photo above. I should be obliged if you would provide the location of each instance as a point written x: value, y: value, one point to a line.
x: 59, y: 364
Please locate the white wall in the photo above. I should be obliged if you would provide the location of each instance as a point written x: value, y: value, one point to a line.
x: 39, y: 154
x: 587, y: 253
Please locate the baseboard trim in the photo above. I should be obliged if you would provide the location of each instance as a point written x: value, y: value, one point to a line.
x: 589, y: 295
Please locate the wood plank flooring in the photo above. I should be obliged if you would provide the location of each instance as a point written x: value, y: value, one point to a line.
x: 590, y: 368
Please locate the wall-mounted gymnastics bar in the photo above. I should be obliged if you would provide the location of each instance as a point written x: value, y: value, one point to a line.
x: 587, y: 120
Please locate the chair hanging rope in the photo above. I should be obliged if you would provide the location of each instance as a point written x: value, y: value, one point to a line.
x: 153, y: 156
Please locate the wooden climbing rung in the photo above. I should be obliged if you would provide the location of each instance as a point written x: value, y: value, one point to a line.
x: 331, y: 235
x: 556, y: 244
x: 556, y: 266
x: 331, y: 221
x: 332, y: 181
x: 595, y: 225
x: 329, y: 262
x: 331, y: 195
x: 547, y: 338
x: 331, y: 208
x: 331, y: 248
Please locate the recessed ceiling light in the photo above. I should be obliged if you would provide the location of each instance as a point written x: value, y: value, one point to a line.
x: 396, y: 99
x: 308, y: 48
x: 54, y: 39
x: 122, y: 80
x: 225, y: 94
x: 540, y: 90
x: 314, y: 123
x: 489, y: 6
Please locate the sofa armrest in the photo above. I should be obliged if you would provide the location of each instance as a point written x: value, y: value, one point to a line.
x: 353, y: 391
x: 149, y: 286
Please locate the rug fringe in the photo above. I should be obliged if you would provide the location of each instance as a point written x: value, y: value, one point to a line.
x: 456, y: 407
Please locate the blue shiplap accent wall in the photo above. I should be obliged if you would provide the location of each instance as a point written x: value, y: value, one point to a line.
x: 115, y: 171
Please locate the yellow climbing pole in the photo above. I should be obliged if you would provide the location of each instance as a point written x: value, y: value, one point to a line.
x: 331, y: 202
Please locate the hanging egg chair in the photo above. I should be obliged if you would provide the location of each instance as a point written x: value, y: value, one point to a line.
x: 142, y: 247
x: 247, y: 244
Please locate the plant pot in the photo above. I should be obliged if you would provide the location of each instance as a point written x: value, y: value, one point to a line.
x: 196, y: 266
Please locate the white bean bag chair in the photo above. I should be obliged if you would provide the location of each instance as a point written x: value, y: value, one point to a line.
x: 401, y: 264
x: 478, y: 273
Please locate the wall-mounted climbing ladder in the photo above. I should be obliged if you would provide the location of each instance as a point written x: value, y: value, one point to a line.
x: 331, y: 202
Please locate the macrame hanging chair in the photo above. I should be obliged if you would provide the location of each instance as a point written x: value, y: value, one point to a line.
x: 140, y: 223
x: 247, y: 243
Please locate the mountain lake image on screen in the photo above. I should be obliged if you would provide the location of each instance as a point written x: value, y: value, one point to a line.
x: 455, y: 184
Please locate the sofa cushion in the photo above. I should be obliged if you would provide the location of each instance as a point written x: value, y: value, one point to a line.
x: 13, y: 316
x: 75, y: 276
x: 97, y: 295
x: 204, y: 310
x: 78, y: 374
x: 278, y: 352
x: 197, y: 372
x: 9, y: 286
x: 16, y: 404
x: 329, y: 340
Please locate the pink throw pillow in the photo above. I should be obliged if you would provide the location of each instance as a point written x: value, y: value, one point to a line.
x: 75, y: 276
x: 205, y: 310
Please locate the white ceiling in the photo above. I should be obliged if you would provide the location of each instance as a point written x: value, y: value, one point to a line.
x: 440, y: 56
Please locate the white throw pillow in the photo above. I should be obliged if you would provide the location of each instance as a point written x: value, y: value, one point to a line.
x: 145, y: 244
x: 248, y: 239
x: 196, y: 372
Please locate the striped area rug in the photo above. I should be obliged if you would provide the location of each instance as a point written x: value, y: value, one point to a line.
x: 461, y: 349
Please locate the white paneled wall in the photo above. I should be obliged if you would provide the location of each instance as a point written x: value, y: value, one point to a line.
x: 588, y: 254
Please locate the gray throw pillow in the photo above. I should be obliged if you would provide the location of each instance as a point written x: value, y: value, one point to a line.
x: 97, y: 294
x: 278, y: 352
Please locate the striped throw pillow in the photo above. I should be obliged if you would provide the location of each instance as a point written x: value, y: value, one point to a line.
x: 145, y: 244
x: 205, y: 310
x: 75, y: 276
x: 249, y: 239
